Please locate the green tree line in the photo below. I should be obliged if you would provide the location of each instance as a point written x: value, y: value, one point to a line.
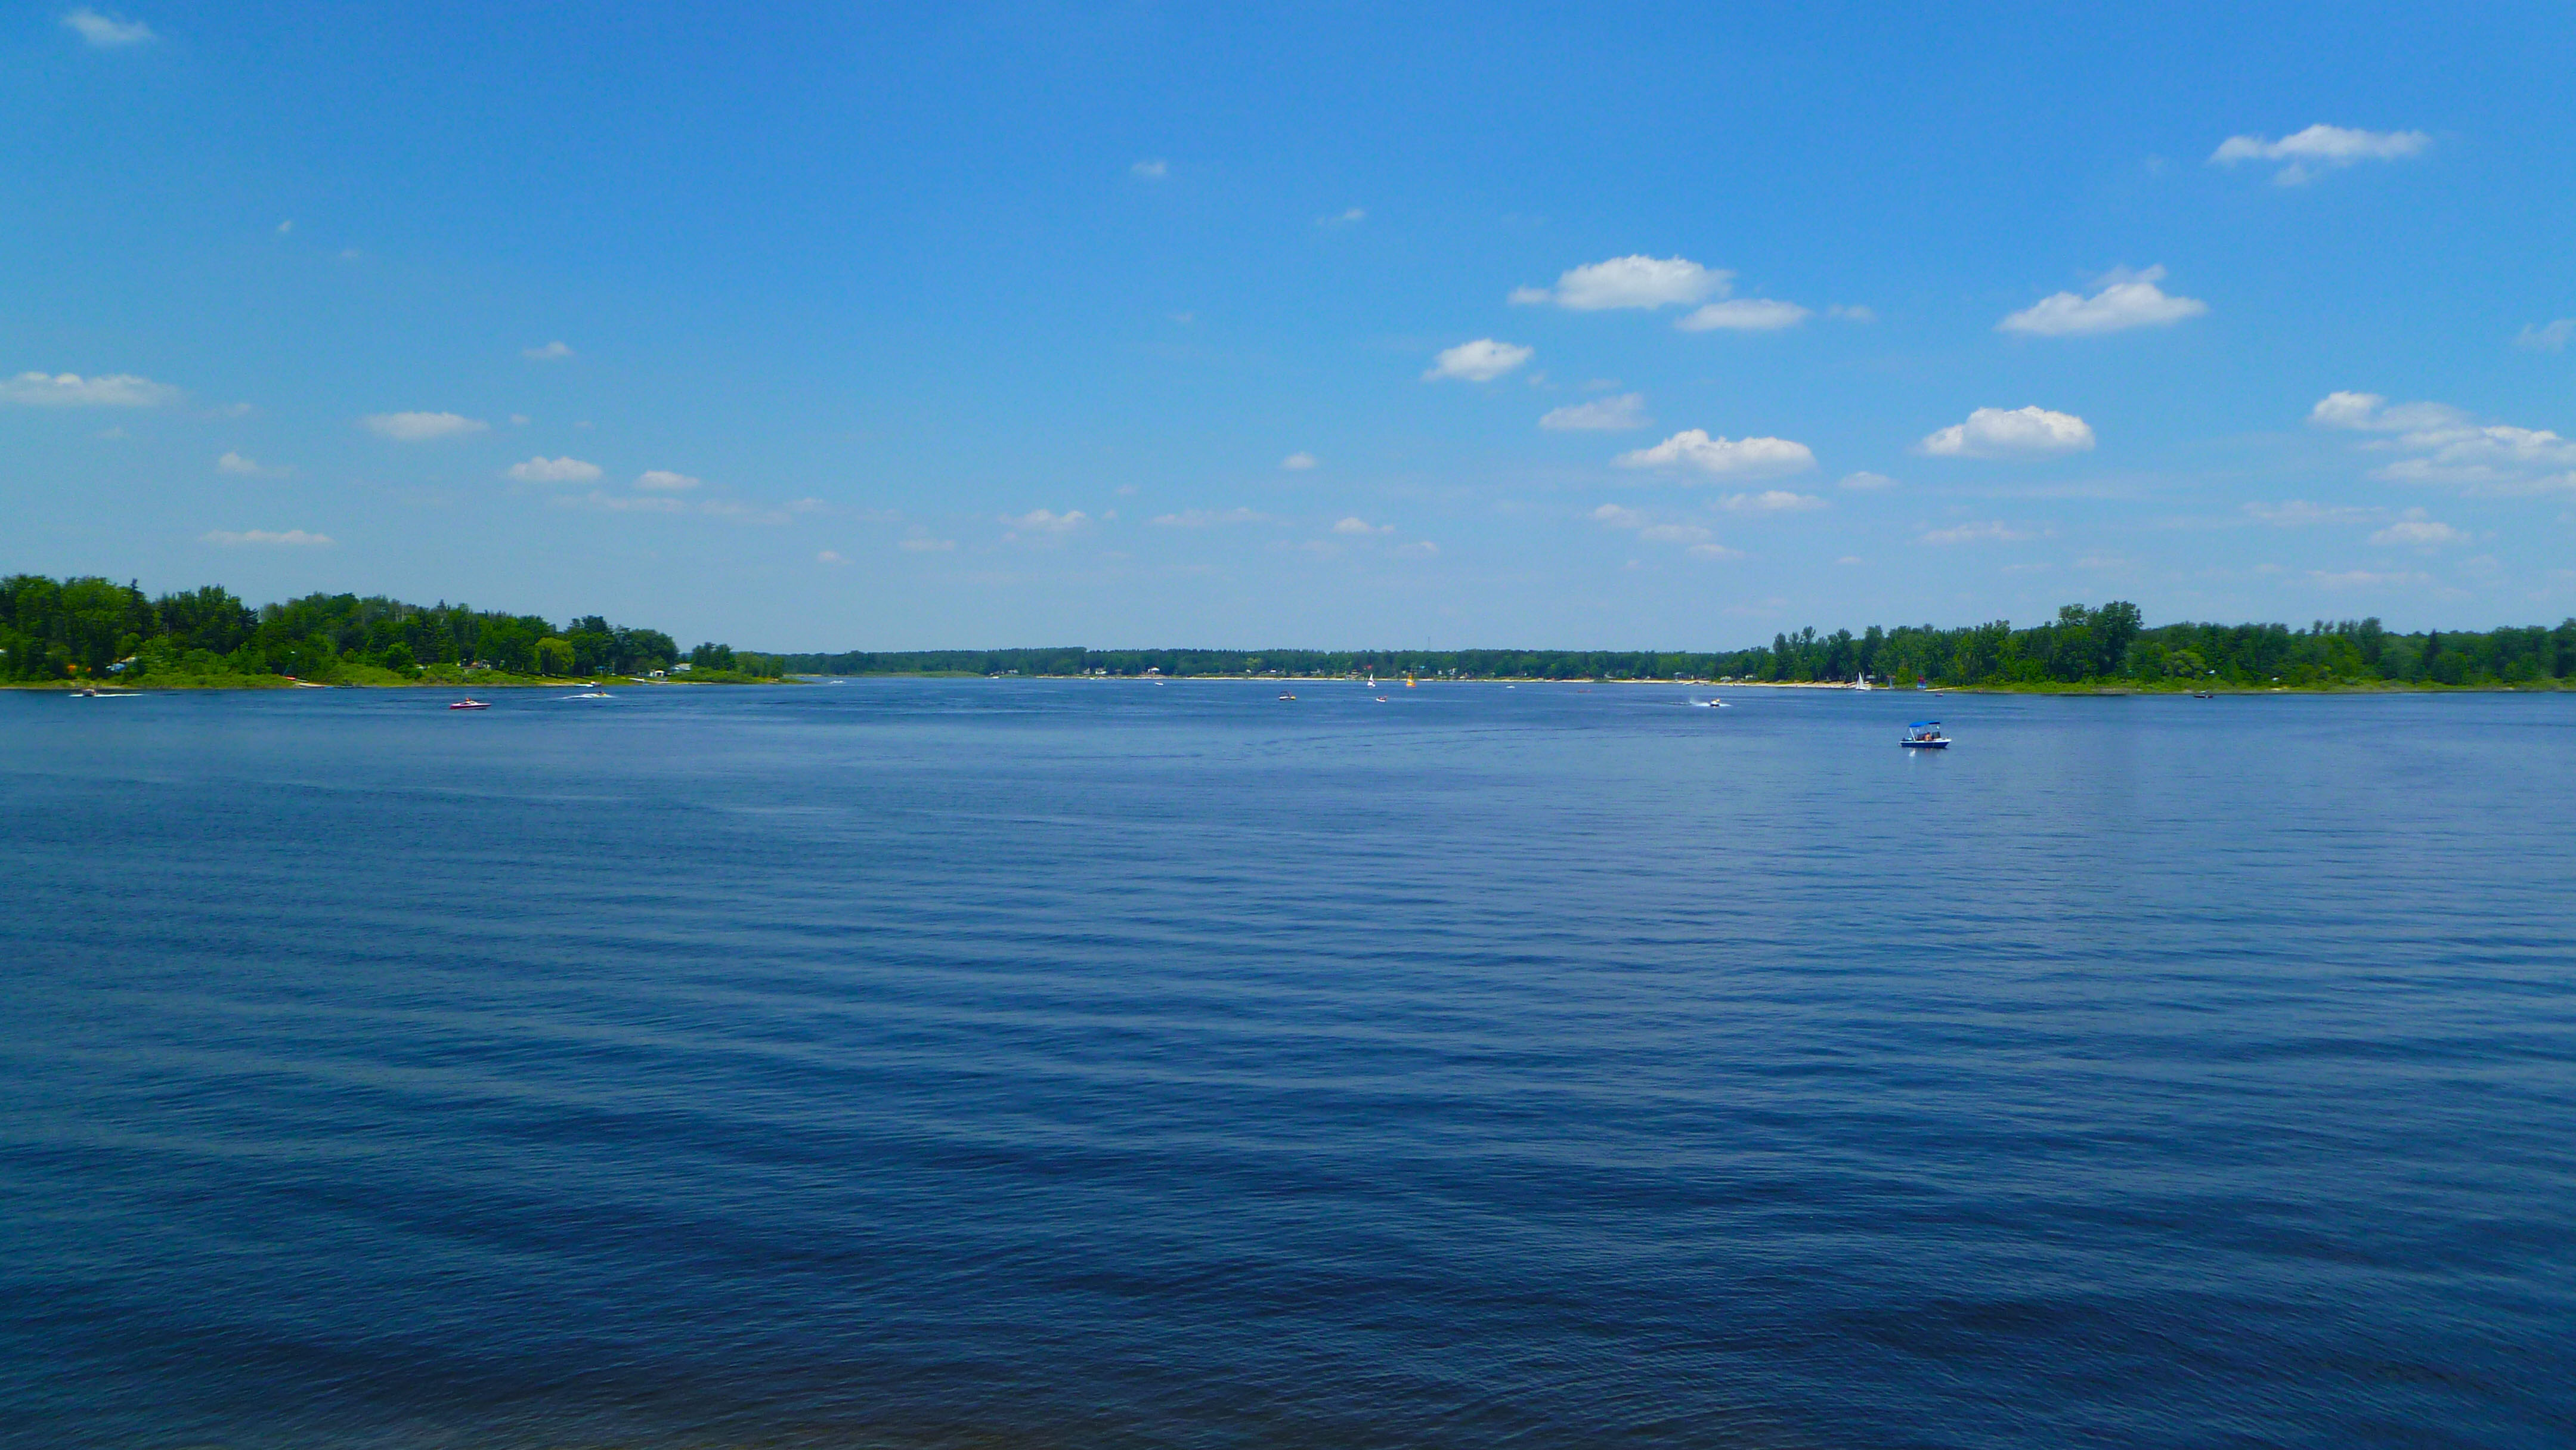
x: 54, y: 629
x: 2109, y: 645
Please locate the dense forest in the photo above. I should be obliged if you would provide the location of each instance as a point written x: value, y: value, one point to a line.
x: 96, y: 628
x: 2108, y: 646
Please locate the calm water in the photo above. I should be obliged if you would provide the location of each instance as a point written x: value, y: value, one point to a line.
x: 1056, y: 1064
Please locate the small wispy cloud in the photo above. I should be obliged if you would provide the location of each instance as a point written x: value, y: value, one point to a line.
x: 2330, y: 147
x: 2546, y: 336
x: 2299, y: 513
x: 421, y: 427
x: 1603, y: 415
x: 2010, y: 433
x: 2439, y: 444
x: 1480, y: 361
x: 1744, y: 314
x: 1154, y: 169
x: 663, y: 480
x: 262, y: 538
x: 921, y: 542
x: 106, y: 32
x: 1866, y: 482
x: 1694, y: 448
x: 1638, y: 281
x: 2367, y: 579
x: 1992, y: 531
x: 551, y: 352
x: 1046, y: 521
x: 1207, y: 518
x: 1361, y: 528
x: 542, y: 469
x: 2124, y: 301
x: 1298, y: 462
x: 1771, y: 501
x: 1852, y: 314
x: 1350, y: 218
x: 242, y: 465
x: 71, y: 390
x: 2419, y: 531
x: 829, y: 556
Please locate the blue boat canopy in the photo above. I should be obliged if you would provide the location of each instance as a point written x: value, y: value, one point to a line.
x: 1923, y: 725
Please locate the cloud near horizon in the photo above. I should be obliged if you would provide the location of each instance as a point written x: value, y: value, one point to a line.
x: 71, y: 390
x: 291, y: 539
x: 106, y: 32
x: 421, y: 427
x: 1771, y: 501
x: 2010, y: 433
x: 1636, y: 281
x: 1480, y: 361
x: 1724, y: 456
x: 1045, y: 521
x: 2440, y: 444
x: 2124, y: 301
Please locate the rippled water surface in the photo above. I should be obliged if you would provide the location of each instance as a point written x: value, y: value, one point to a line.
x: 1057, y: 1064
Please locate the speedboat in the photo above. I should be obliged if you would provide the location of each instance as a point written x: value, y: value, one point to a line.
x: 1287, y: 697
x: 469, y: 705
x: 1925, y: 735
x: 589, y: 695
x: 1710, y: 704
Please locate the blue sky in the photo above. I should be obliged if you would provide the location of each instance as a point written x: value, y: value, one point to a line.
x: 850, y: 327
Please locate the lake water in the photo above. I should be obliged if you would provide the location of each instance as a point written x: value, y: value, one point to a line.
x: 1055, y: 1064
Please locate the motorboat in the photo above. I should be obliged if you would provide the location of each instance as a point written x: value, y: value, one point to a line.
x: 1925, y: 735
x: 1709, y: 704
x: 589, y: 695
x: 1287, y: 697
x: 470, y: 705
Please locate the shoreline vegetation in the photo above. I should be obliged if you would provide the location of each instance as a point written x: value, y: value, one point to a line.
x: 74, y: 633
x: 71, y: 633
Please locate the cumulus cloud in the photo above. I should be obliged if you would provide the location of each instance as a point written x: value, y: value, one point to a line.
x: 1771, y: 501
x: 421, y: 427
x: 1745, y: 456
x: 1207, y: 518
x: 2331, y: 147
x: 1151, y: 170
x: 663, y: 480
x: 1046, y: 521
x: 1745, y: 314
x: 237, y: 463
x: 1992, y: 531
x: 1606, y: 415
x: 1866, y: 482
x: 2010, y: 433
x: 1480, y: 361
x: 551, y: 352
x: 542, y: 469
x: 2546, y: 336
x: 2366, y: 579
x: 620, y: 503
x: 1298, y: 462
x: 2124, y: 301
x: 1645, y: 282
x: 1359, y: 527
x: 71, y: 390
x: 106, y: 32
x: 291, y: 539
x: 2439, y: 444
x: 1619, y: 518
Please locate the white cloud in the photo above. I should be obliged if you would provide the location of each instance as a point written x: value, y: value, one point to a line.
x: 71, y: 390
x: 663, y: 480
x: 2124, y: 302
x: 291, y: 539
x: 1866, y: 482
x: 1993, y: 531
x: 1207, y: 518
x: 828, y: 556
x: 2011, y: 433
x: 1745, y: 314
x: 1153, y: 170
x: 421, y: 427
x: 2366, y: 579
x: 1852, y: 314
x: 1640, y: 281
x: 2546, y: 337
x: 1045, y: 521
x: 1772, y: 501
x: 551, y: 352
x: 1353, y: 217
x: 2326, y: 146
x: 542, y: 469
x: 1619, y: 518
x: 2299, y: 513
x: 2440, y: 444
x: 1714, y: 551
x: 236, y: 463
x: 106, y: 32
x: 1419, y: 546
x: 1360, y: 526
x: 286, y: 226
x: 924, y: 544
x: 1298, y: 462
x: 1697, y: 540
x: 1607, y: 415
x: 1674, y: 533
x: 1749, y: 456
x: 1480, y: 361
x: 2418, y: 530
x: 618, y: 503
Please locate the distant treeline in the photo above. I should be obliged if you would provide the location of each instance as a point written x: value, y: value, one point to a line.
x: 71, y: 628
x: 2108, y: 645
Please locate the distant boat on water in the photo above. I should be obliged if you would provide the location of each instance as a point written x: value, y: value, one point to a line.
x: 1860, y: 682
x: 1925, y: 735
x: 469, y: 705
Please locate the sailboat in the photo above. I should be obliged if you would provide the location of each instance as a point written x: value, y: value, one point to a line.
x: 1861, y: 682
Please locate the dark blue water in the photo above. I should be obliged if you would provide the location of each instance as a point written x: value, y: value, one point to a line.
x: 1059, y: 1064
